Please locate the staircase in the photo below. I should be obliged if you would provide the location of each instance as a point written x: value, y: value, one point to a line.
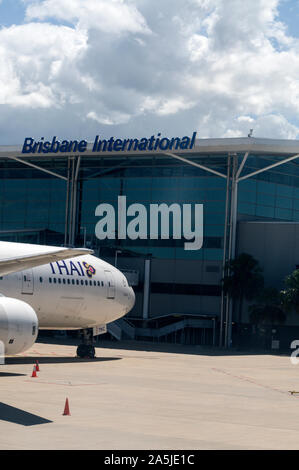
x: 123, y: 329
x: 180, y: 325
x: 114, y: 330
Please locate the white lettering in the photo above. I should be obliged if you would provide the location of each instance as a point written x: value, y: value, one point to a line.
x: 160, y: 216
x: 197, y: 234
x: 294, y: 359
x: 108, y: 221
x: 139, y: 221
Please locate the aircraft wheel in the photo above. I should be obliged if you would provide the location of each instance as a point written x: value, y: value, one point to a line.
x: 91, y: 352
x: 86, y: 350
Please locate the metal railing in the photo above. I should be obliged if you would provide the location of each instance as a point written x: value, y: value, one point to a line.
x: 123, y: 329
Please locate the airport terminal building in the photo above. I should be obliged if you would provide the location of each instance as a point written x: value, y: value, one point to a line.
x: 249, y: 192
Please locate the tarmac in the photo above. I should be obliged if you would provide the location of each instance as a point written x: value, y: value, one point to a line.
x: 148, y: 396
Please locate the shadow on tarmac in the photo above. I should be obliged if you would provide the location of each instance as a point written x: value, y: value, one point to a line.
x: 199, y: 350
x: 9, y: 374
x: 55, y: 360
x: 18, y: 416
x: 186, y: 349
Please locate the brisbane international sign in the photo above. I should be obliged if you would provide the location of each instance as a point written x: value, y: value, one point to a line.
x: 153, y: 143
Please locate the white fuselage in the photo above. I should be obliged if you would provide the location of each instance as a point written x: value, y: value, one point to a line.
x: 77, y: 293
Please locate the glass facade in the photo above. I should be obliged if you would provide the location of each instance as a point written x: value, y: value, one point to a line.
x: 156, y: 190
x: 156, y: 181
x: 33, y: 203
x: 272, y: 195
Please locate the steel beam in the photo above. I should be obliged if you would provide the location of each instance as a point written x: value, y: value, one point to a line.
x: 67, y: 201
x: 257, y: 172
x: 38, y: 167
x: 198, y: 165
x: 225, y: 248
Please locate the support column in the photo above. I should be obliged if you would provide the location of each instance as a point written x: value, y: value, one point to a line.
x: 225, y: 247
x: 146, y: 287
x: 67, y: 200
x: 232, y: 245
x: 214, y: 331
x: 71, y: 200
x: 74, y: 212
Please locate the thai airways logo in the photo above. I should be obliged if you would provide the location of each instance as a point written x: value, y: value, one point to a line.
x: 90, y: 270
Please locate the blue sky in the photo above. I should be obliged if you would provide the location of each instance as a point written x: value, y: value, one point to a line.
x: 289, y: 14
x: 129, y: 68
x: 11, y: 12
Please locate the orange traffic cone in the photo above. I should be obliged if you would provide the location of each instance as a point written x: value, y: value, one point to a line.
x: 37, y: 366
x: 66, y: 408
x: 34, y: 372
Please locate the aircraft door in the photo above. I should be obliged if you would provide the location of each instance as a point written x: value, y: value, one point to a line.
x: 110, y: 285
x: 27, y: 282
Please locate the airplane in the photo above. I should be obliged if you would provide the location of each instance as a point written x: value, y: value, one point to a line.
x: 57, y: 288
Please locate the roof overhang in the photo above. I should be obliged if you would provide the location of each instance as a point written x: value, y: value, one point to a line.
x: 225, y: 146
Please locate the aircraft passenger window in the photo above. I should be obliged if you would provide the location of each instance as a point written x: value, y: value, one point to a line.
x: 54, y: 280
x: 1, y: 277
x: 102, y: 283
x: 73, y: 281
x: 40, y: 279
x: 68, y: 281
x: 90, y: 283
x: 63, y: 280
x: 86, y: 283
x: 94, y: 283
x: 99, y: 283
x: 24, y: 278
x: 50, y: 280
x: 82, y: 282
x: 77, y: 282
x: 59, y: 280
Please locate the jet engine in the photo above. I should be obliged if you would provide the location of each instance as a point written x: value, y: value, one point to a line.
x: 18, y: 326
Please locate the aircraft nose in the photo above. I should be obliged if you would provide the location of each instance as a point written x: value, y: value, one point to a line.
x: 131, y: 299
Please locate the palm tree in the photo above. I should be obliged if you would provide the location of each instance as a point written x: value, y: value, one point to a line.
x: 290, y: 295
x: 244, y: 280
x: 269, y: 307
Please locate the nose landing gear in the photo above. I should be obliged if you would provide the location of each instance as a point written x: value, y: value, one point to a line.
x: 86, y: 349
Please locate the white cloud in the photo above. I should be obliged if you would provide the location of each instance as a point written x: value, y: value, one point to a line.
x: 163, y: 107
x: 32, y: 57
x: 109, y: 119
x: 219, y: 67
x: 271, y: 125
x: 109, y: 16
x: 246, y: 119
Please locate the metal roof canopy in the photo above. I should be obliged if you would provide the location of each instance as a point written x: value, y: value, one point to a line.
x: 202, y: 146
x: 230, y: 146
x: 248, y: 145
